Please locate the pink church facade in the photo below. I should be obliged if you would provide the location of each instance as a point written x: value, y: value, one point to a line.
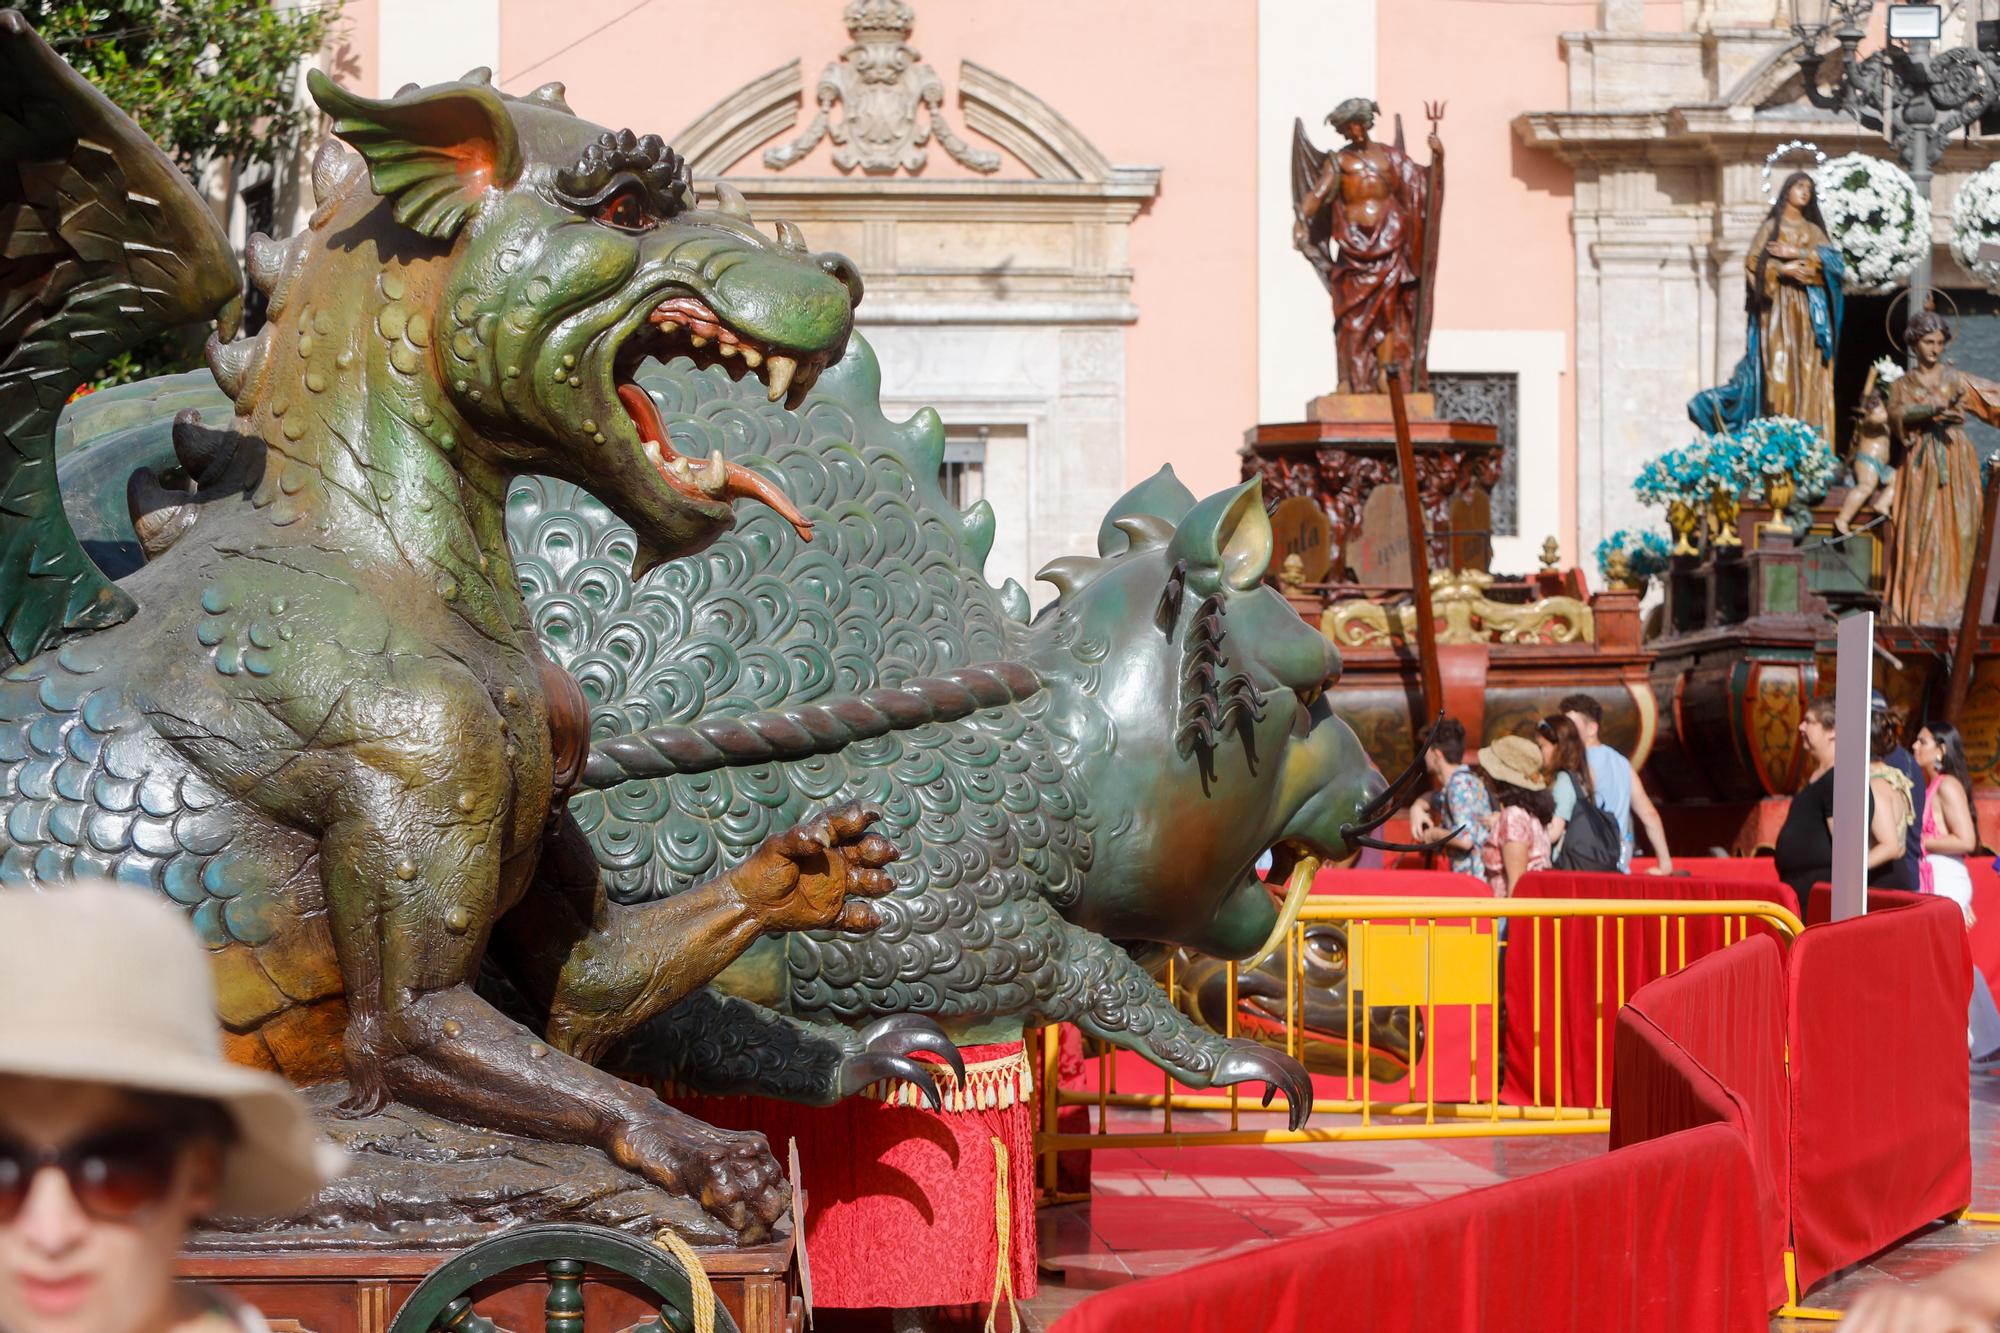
x: 1120, y: 291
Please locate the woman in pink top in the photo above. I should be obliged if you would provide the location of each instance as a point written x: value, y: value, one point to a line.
x: 1949, y: 834
x: 1522, y: 808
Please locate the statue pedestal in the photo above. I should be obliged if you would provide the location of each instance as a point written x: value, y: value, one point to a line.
x: 1369, y: 407
x: 421, y: 1189
x: 1340, y: 464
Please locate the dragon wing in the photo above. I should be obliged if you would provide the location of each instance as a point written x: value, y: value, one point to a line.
x: 1307, y: 164
x: 103, y: 243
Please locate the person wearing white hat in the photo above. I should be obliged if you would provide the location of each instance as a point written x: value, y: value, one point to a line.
x: 121, y: 1124
x: 1518, y: 840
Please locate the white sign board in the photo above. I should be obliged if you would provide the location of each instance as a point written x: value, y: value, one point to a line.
x: 1854, y: 681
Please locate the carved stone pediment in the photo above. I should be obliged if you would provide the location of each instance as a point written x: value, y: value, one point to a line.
x: 879, y: 103
x: 1044, y: 245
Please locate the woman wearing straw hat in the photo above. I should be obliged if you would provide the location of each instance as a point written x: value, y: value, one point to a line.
x: 121, y: 1124
x: 1522, y: 808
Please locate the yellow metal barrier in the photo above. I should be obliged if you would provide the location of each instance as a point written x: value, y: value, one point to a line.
x: 1416, y: 955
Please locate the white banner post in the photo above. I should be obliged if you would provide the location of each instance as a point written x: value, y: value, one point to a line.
x: 1854, y: 682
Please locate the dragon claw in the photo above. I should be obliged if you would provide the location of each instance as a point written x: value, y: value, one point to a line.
x: 1248, y: 1062
x: 902, y: 1034
x: 874, y: 1067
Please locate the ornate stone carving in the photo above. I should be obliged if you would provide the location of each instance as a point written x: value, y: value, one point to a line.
x: 1464, y: 615
x: 890, y: 102
x: 1340, y: 478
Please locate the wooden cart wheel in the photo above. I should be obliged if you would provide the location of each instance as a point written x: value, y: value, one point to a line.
x: 440, y: 1304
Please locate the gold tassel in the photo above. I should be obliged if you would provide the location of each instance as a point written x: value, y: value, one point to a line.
x: 1003, y: 1226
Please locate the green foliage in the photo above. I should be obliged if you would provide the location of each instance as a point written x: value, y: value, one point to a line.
x: 207, y: 80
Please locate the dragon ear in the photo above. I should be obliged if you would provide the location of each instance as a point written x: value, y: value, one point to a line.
x: 432, y: 152
x: 1228, y: 532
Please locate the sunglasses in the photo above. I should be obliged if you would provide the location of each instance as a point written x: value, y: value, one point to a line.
x: 116, y: 1176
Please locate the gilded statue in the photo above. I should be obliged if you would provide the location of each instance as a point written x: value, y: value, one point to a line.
x: 1793, y: 306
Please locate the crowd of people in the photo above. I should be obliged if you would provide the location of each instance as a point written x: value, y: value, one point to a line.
x: 1551, y: 795
x: 1920, y: 826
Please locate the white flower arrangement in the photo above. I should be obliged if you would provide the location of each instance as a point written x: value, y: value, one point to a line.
x: 1975, y: 220
x: 1887, y: 371
x: 1875, y: 215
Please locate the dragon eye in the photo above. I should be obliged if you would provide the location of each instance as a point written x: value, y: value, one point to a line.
x: 626, y: 210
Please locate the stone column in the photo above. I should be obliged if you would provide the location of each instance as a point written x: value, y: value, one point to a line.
x: 1622, y: 15
x: 1648, y: 324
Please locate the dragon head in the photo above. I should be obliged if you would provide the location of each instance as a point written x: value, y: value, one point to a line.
x: 1248, y: 757
x: 510, y: 265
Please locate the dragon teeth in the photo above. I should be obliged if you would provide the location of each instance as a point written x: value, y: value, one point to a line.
x: 782, y: 370
x: 730, y: 349
x: 698, y: 340
x: 652, y: 448
x: 681, y: 471
x: 716, y: 475
x: 752, y: 357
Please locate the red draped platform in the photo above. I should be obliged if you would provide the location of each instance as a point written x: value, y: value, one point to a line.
x: 901, y: 1202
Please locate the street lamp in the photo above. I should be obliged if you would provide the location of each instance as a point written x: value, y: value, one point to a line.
x: 1916, y: 100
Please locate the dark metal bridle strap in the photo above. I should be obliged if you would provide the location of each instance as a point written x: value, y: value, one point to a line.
x: 797, y: 733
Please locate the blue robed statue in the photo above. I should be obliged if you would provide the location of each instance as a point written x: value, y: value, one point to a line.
x: 1793, y: 275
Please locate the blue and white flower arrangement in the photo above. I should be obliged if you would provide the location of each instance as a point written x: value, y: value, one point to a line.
x: 1645, y: 555
x: 1787, y: 447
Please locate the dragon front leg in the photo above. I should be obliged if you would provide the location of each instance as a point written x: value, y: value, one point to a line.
x: 726, y: 1046
x: 1110, y: 997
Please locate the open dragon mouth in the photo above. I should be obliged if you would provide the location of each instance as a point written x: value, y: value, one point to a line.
x: 686, y: 326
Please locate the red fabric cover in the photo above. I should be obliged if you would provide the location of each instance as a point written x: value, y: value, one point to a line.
x: 1661, y: 1235
x: 1880, y: 1088
x: 899, y: 1200
x: 1586, y: 997
x: 1819, y: 904
x: 1715, y: 867
x: 1706, y: 1044
x: 1400, y: 884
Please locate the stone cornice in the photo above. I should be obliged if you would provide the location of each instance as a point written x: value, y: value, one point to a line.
x: 1704, y: 133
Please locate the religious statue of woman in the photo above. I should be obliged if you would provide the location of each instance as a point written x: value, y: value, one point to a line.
x: 1793, y: 299
x: 1934, y: 523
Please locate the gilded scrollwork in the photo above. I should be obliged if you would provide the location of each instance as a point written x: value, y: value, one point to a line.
x: 1464, y: 614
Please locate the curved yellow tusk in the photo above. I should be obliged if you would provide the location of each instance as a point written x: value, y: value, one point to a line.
x: 1296, y: 889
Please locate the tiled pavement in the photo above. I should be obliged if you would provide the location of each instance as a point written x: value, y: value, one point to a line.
x: 1228, y: 1200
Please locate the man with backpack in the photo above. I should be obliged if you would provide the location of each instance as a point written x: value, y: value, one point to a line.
x: 1586, y: 837
x: 1617, y: 790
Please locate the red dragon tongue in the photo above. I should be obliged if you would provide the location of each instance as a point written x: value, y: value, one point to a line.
x: 742, y: 483
x: 745, y: 484
x: 638, y: 405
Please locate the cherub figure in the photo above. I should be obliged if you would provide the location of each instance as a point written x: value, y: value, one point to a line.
x: 1874, y: 474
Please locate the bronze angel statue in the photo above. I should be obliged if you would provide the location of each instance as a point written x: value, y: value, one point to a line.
x: 1367, y: 219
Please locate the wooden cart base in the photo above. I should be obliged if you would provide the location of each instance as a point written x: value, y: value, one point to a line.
x: 359, y: 1291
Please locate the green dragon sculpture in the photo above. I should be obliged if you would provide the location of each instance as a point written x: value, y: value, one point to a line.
x: 319, y: 716
x: 1068, y: 792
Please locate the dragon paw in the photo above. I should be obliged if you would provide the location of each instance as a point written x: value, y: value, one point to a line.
x: 733, y: 1176
x: 886, y: 1048
x: 1249, y: 1062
